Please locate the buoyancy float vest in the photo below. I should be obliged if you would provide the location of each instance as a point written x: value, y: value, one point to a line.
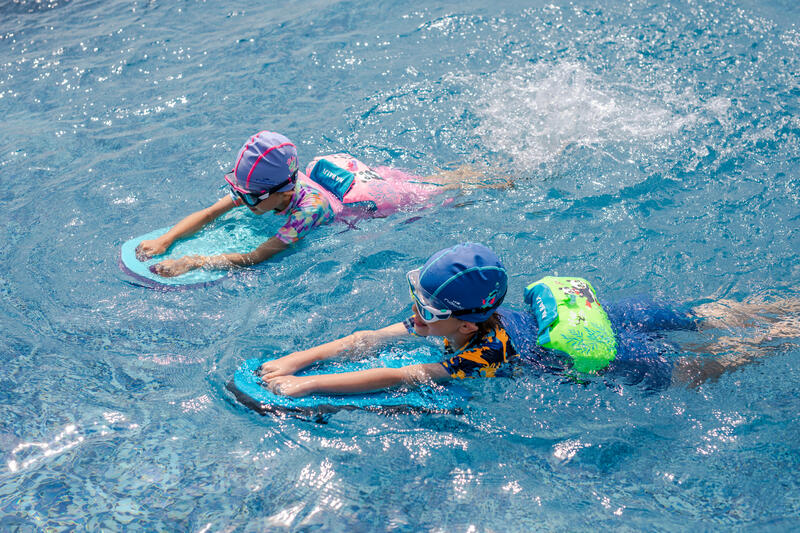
x: 571, y: 320
x: 346, y: 179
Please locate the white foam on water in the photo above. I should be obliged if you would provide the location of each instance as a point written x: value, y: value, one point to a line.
x: 534, y: 112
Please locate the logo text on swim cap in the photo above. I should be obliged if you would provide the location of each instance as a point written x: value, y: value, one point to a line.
x: 457, y: 305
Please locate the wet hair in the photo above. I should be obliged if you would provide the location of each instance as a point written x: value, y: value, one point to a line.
x: 488, y: 325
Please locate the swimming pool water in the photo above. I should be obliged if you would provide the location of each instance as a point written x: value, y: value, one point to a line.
x: 655, y: 148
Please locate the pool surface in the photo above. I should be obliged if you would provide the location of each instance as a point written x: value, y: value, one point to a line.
x: 655, y: 148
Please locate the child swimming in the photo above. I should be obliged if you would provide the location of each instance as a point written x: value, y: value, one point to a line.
x: 457, y: 295
x: 266, y: 178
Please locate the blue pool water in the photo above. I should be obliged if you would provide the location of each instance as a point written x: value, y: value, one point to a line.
x: 655, y: 147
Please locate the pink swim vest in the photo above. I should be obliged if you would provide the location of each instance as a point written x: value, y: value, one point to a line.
x: 352, y: 187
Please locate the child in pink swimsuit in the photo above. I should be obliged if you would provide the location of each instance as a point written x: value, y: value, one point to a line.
x: 266, y: 178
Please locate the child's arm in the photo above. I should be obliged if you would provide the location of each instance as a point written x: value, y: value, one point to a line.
x: 188, y: 226
x: 360, y: 340
x: 355, y: 382
x: 176, y: 267
x: 300, y: 222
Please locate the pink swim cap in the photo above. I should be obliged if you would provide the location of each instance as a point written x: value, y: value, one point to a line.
x: 267, y: 160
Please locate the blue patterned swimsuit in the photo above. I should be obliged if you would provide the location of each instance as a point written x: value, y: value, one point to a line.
x: 642, y: 349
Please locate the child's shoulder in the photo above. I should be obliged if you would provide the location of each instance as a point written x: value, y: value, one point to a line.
x: 489, y: 345
x: 308, y: 194
x: 482, y: 357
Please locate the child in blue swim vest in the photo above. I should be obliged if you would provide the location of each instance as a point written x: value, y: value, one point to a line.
x: 457, y: 295
x: 266, y: 177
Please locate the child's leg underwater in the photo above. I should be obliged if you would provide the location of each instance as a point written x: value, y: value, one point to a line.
x: 470, y: 177
x: 776, y: 323
x: 725, y: 314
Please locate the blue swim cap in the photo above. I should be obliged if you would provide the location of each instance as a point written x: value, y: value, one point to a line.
x: 266, y: 161
x: 467, y: 276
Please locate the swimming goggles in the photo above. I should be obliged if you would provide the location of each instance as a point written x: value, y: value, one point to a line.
x: 252, y: 199
x: 429, y: 312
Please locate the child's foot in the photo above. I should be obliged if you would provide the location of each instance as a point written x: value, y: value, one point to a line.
x: 786, y: 328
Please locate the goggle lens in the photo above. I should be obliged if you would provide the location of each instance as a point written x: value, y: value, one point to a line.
x: 428, y: 316
x: 426, y: 312
x: 253, y: 199
x: 250, y: 199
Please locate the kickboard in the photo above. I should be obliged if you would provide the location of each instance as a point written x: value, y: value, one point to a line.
x: 237, y: 231
x: 247, y: 386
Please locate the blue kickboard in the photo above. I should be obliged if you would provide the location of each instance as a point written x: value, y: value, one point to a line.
x: 235, y: 232
x: 248, y: 388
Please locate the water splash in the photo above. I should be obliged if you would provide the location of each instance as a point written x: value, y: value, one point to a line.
x: 536, y: 112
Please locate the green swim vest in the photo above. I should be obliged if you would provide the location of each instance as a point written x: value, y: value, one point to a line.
x: 572, y: 321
